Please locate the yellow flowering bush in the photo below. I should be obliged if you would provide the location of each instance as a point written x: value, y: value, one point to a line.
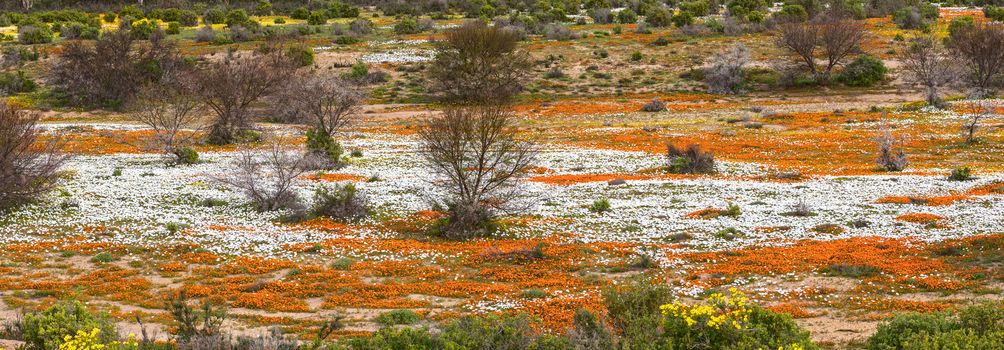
x: 91, y: 341
x: 730, y: 321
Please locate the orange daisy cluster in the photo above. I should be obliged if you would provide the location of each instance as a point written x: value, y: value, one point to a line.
x: 921, y: 218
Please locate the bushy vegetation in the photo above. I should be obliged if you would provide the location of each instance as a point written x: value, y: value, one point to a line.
x: 48, y: 329
x: 974, y: 327
x: 691, y: 160
x: 865, y: 70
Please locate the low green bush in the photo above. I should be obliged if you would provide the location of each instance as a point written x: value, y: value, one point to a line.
x: 864, y: 71
x: 398, y: 317
x: 47, y: 330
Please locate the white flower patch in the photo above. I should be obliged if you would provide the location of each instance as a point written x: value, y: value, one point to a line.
x: 399, y: 56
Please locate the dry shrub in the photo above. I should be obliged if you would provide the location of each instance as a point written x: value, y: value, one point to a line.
x: 977, y: 48
x: 725, y: 76
x: 267, y: 176
x: 29, y: 167
x: 891, y: 155
x: 656, y: 105
x: 173, y: 112
x: 692, y: 160
x: 340, y: 202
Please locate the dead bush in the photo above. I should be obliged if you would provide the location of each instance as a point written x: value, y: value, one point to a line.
x: 725, y: 76
x: 173, y: 113
x: 891, y: 155
x: 656, y: 105
x: 927, y: 64
x: 29, y: 165
x: 835, y: 37
x: 692, y: 160
x: 267, y: 176
x: 977, y: 47
x: 327, y: 104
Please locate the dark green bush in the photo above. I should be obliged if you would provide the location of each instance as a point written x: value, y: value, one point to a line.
x: 214, y: 16
x: 398, y: 317
x: 975, y: 327
x: 16, y: 82
x: 406, y: 25
x: 961, y: 174
x: 34, y: 34
x: 317, y: 18
x: 865, y: 70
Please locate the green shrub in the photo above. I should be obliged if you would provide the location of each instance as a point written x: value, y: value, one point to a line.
x: 961, y: 174
x: 34, y: 34
x: 173, y: 28
x: 633, y: 311
x: 131, y: 11
x: 300, y: 13
x: 186, y: 156
x: 279, y: 20
x: 46, y: 330
x: 214, y: 16
x: 303, y: 56
x: 16, y: 82
x: 488, y: 332
x: 636, y: 56
x: 600, y: 206
x: 340, y: 202
x: 729, y: 321
x: 322, y: 145
x: 103, y: 258
x: 360, y: 71
x: 237, y: 17
x: 398, y: 317
x: 626, y: 16
x: 407, y: 25
x: 317, y: 18
x: 143, y: 29
x: 896, y: 331
x: 865, y: 70
x: 397, y: 338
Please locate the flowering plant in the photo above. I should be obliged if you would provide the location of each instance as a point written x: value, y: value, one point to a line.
x: 91, y: 341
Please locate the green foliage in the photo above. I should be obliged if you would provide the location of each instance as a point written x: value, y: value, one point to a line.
x: 397, y: 339
x: 46, y: 330
x: 407, y: 25
x: 488, y: 332
x: 338, y: 9
x: 263, y: 8
x: 237, y: 17
x: 658, y: 17
x: 959, y: 23
x: 961, y: 174
x: 794, y: 13
x: 186, y: 156
x: 214, y: 16
x: 317, y: 18
x: 994, y: 12
x: 865, y: 70
x: 320, y: 143
x: 300, y: 13
x: 600, y: 206
x: 398, y: 317
x: 131, y: 11
x: 173, y: 28
x: 303, y: 56
x: 732, y: 211
x: 588, y: 332
x: 359, y: 71
x: 698, y: 8
x: 143, y: 29
x: 975, y: 327
x: 16, y: 82
x: 633, y: 310
x: 340, y: 202
x: 34, y: 34
x: 103, y: 258
x: 626, y: 16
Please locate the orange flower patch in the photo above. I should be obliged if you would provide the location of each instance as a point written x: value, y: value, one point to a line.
x: 707, y: 213
x: 893, y: 256
x: 270, y: 301
x: 555, y: 314
x: 173, y: 267
x: 204, y: 258
x: 793, y: 310
x: 920, y: 218
x: 323, y: 224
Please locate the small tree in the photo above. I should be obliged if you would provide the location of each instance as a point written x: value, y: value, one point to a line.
x: 975, y: 113
x: 480, y: 158
x: 835, y: 37
x: 479, y: 64
x: 232, y: 85
x: 328, y: 105
x: 927, y: 64
x: 977, y: 47
x: 29, y: 166
x: 725, y: 76
x: 267, y: 176
x: 172, y: 112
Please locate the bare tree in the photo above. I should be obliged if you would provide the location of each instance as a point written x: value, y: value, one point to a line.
x: 27, y: 4
x: 891, y: 155
x: 831, y: 36
x: 725, y: 76
x: 172, y: 111
x: 232, y: 85
x: 479, y: 64
x: 927, y: 64
x: 267, y: 176
x: 327, y: 104
x: 975, y: 113
x: 978, y: 48
x: 29, y: 166
x: 480, y: 157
